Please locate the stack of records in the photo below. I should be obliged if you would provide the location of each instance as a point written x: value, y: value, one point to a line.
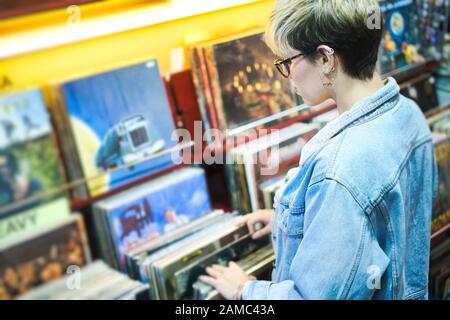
x: 439, y: 270
x: 95, y: 281
x: 441, y: 207
x: 109, y: 123
x: 43, y: 256
x: 172, y: 271
x: 258, y: 166
x: 136, y: 256
x: 237, y: 84
x: 31, y: 176
x: 268, y: 188
x: 447, y: 290
x: 145, y: 212
x: 439, y: 120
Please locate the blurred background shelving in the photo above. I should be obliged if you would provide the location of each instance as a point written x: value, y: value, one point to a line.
x: 54, y: 44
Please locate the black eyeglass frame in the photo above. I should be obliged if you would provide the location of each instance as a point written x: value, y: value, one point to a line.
x: 286, y: 63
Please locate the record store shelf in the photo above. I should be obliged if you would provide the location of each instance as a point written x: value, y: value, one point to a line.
x: 440, y: 235
x: 60, y: 43
x: 77, y: 204
x: 238, y: 140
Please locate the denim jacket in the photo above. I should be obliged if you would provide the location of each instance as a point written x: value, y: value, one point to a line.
x: 353, y: 220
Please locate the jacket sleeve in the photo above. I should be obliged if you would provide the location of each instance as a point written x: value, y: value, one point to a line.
x: 338, y: 257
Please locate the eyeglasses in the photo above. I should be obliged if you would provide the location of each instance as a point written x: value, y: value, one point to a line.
x: 284, y: 65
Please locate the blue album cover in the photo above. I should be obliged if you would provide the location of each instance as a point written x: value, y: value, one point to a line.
x: 119, y: 117
x: 29, y: 163
x: 399, y: 45
x: 169, y: 202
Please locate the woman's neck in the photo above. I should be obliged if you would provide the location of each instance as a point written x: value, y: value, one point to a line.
x: 348, y: 91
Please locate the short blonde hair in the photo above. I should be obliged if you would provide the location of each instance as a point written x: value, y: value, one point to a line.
x: 303, y: 25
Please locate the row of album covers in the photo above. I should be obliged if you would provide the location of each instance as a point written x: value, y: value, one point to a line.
x: 115, y: 127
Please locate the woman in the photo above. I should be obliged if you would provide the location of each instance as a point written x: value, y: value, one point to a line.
x: 353, y: 220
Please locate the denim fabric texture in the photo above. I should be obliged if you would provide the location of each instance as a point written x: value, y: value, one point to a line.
x: 353, y: 220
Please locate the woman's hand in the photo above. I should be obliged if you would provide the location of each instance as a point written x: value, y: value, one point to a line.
x: 229, y: 280
x: 260, y: 216
x: 226, y: 280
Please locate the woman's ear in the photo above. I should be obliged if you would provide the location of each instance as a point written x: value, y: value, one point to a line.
x: 327, y: 58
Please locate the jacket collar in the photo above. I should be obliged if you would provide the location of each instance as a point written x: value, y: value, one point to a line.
x: 381, y: 101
